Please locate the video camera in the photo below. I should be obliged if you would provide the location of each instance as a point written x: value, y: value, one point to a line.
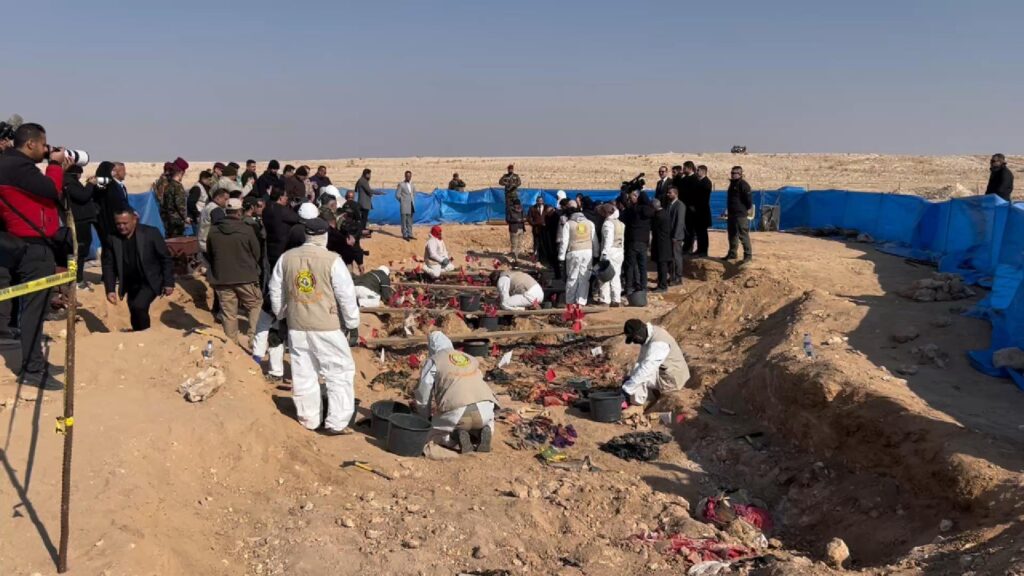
x: 636, y: 184
x: 8, y: 128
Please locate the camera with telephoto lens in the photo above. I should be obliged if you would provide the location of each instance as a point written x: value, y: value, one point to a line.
x: 636, y: 184
x: 77, y: 157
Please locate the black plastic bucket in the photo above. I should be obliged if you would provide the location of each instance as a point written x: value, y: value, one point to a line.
x: 380, y: 414
x: 469, y: 302
x: 489, y: 323
x: 580, y: 385
x: 606, y: 405
x: 638, y: 299
x: 479, y: 348
x: 408, y: 434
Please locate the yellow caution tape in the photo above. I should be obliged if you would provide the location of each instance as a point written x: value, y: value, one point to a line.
x: 41, y: 283
x: 64, y: 423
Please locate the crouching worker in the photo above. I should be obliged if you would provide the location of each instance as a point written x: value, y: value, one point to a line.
x: 435, y: 256
x: 660, y: 366
x: 373, y: 287
x: 453, y: 394
x: 517, y: 290
x: 308, y: 288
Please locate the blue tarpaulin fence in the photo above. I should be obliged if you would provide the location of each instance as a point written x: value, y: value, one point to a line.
x: 981, y: 237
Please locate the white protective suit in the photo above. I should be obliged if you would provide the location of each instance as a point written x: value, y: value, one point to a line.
x: 577, y: 262
x: 509, y: 301
x: 444, y: 424
x: 645, y: 374
x: 320, y: 354
x: 261, y: 345
x: 436, y: 259
x: 612, y: 243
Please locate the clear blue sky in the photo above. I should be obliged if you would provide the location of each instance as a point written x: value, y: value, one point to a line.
x: 319, y: 79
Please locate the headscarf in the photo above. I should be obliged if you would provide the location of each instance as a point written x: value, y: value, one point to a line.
x: 435, y: 231
x: 437, y: 342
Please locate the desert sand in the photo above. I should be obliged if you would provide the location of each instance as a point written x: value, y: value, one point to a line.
x: 916, y: 467
x: 928, y: 176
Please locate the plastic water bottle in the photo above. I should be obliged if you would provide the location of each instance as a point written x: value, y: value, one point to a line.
x: 208, y: 351
x: 808, y: 346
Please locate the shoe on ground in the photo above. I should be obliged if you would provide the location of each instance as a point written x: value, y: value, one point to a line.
x: 42, y: 380
x: 273, y: 378
x: 485, y: 440
x: 728, y: 257
x: 465, y: 442
x: 747, y: 259
x: 615, y: 305
x: 346, y: 431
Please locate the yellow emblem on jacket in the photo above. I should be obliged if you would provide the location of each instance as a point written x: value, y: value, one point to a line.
x: 458, y: 359
x: 305, y: 282
x: 581, y: 228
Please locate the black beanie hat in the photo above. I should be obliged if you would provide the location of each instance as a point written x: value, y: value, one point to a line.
x: 636, y: 331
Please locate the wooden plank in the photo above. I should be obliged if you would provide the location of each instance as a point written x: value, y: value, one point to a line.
x: 511, y: 334
x: 448, y: 311
x: 426, y: 285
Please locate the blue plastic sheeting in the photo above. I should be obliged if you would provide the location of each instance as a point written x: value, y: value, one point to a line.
x: 148, y: 209
x: 386, y: 209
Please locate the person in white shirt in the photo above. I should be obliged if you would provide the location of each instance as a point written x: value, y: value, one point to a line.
x: 613, y: 234
x: 453, y: 394
x: 435, y: 255
x: 576, y: 250
x: 517, y: 290
x: 311, y: 287
x: 660, y: 366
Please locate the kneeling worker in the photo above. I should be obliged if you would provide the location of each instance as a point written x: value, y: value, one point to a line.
x: 517, y: 290
x: 660, y: 366
x: 452, y: 392
x: 373, y: 287
x: 309, y: 287
x: 435, y: 255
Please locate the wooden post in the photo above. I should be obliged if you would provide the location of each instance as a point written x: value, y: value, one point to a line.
x: 69, y: 410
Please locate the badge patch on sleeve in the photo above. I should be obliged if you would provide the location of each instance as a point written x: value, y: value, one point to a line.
x: 458, y: 359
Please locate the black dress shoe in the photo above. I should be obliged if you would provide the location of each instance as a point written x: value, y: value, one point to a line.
x: 42, y: 380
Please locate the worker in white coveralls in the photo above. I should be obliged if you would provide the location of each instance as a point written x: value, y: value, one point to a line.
x: 659, y: 368
x: 517, y: 290
x: 576, y: 249
x: 435, y: 255
x: 453, y: 394
x: 309, y: 286
x: 613, y: 238
x: 373, y: 287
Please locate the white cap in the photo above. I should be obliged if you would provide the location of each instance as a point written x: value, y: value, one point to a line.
x: 332, y: 190
x: 308, y: 211
x: 560, y: 194
x: 385, y: 270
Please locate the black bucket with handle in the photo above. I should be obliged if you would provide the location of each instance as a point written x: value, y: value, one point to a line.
x: 380, y: 416
x: 606, y: 405
x: 408, y: 434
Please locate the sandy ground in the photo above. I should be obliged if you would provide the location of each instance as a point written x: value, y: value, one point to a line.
x: 929, y: 176
x: 836, y: 446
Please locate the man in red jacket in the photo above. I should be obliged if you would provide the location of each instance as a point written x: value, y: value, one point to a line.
x: 29, y: 211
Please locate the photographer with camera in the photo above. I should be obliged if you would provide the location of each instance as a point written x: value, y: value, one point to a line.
x: 29, y: 209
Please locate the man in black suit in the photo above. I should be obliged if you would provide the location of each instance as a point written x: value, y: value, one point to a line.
x: 664, y: 182
x: 138, y: 260
x: 677, y: 231
x: 688, y: 195
x: 702, y: 217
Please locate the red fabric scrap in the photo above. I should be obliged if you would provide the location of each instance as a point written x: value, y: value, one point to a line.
x: 550, y: 375
x: 414, y: 361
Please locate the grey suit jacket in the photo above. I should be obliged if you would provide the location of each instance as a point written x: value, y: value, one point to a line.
x: 406, y: 194
x: 677, y: 220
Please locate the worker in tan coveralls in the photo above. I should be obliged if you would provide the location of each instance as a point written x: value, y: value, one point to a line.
x: 453, y: 394
x: 660, y: 366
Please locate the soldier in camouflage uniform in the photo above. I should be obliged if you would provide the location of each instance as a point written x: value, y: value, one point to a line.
x: 173, y: 205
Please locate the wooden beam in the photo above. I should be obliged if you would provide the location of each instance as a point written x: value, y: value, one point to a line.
x: 426, y: 285
x: 612, y: 329
x: 448, y: 311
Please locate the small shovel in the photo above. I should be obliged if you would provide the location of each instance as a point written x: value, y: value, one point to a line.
x: 366, y: 467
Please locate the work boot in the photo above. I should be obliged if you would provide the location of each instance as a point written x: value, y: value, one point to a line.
x: 485, y: 440
x: 729, y: 256
x: 747, y: 258
x: 465, y: 442
x: 615, y: 305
